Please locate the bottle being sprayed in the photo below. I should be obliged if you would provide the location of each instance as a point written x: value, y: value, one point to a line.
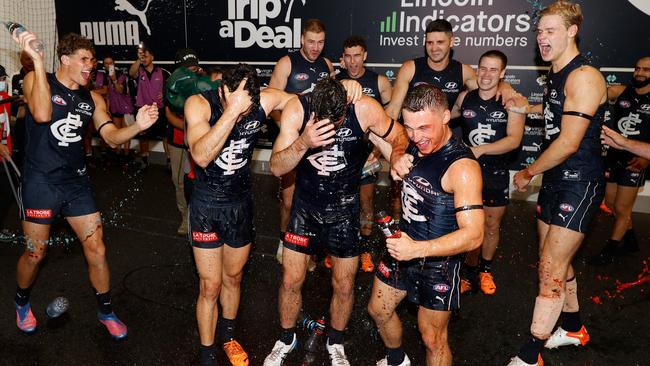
x: 387, y: 225
x: 370, y: 169
x: 390, y: 228
x: 36, y: 44
x: 315, y: 341
x: 57, y: 307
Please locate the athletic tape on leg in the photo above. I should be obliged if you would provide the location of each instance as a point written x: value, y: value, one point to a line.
x: 547, y: 311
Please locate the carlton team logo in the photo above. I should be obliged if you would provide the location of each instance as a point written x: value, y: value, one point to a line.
x: 65, y: 129
x: 296, y: 239
x: 328, y: 161
x: 482, y: 134
x: 230, y: 159
x: 410, y: 199
x: 57, y: 99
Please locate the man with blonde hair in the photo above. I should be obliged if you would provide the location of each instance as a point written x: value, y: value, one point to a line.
x: 573, y: 184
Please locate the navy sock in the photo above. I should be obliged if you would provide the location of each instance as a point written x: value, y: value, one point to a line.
x: 104, y: 302
x: 208, y: 355
x: 395, y: 356
x: 22, y: 295
x: 226, y: 330
x: 485, y: 265
x: 530, y: 351
x: 571, y: 322
x: 287, y: 335
x: 335, y: 336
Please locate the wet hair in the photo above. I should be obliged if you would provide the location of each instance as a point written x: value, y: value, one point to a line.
x: 72, y: 42
x: 313, y: 25
x: 495, y: 54
x: 233, y: 76
x: 425, y: 96
x: 354, y: 41
x: 570, y: 13
x: 328, y: 100
x: 439, y: 25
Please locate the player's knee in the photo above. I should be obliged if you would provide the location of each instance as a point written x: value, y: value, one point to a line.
x: 34, y: 256
x: 435, y: 340
x: 291, y: 281
x: 622, y: 211
x: 232, y: 280
x: 343, y: 287
x: 210, y: 289
x: 378, y: 312
x: 96, y: 252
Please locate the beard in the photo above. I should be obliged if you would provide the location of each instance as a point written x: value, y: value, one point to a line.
x: 640, y: 84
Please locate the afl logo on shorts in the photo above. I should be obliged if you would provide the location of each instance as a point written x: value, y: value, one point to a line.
x: 57, y: 99
x: 84, y: 106
x: 344, y: 132
x: 301, y: 77
x: 468, y: 113
x: 252, y: 125
x: 566, y: 207
x: 441, y: 287
x: 451, y: 85
x: 497, y: 114
x: 624, y: 104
